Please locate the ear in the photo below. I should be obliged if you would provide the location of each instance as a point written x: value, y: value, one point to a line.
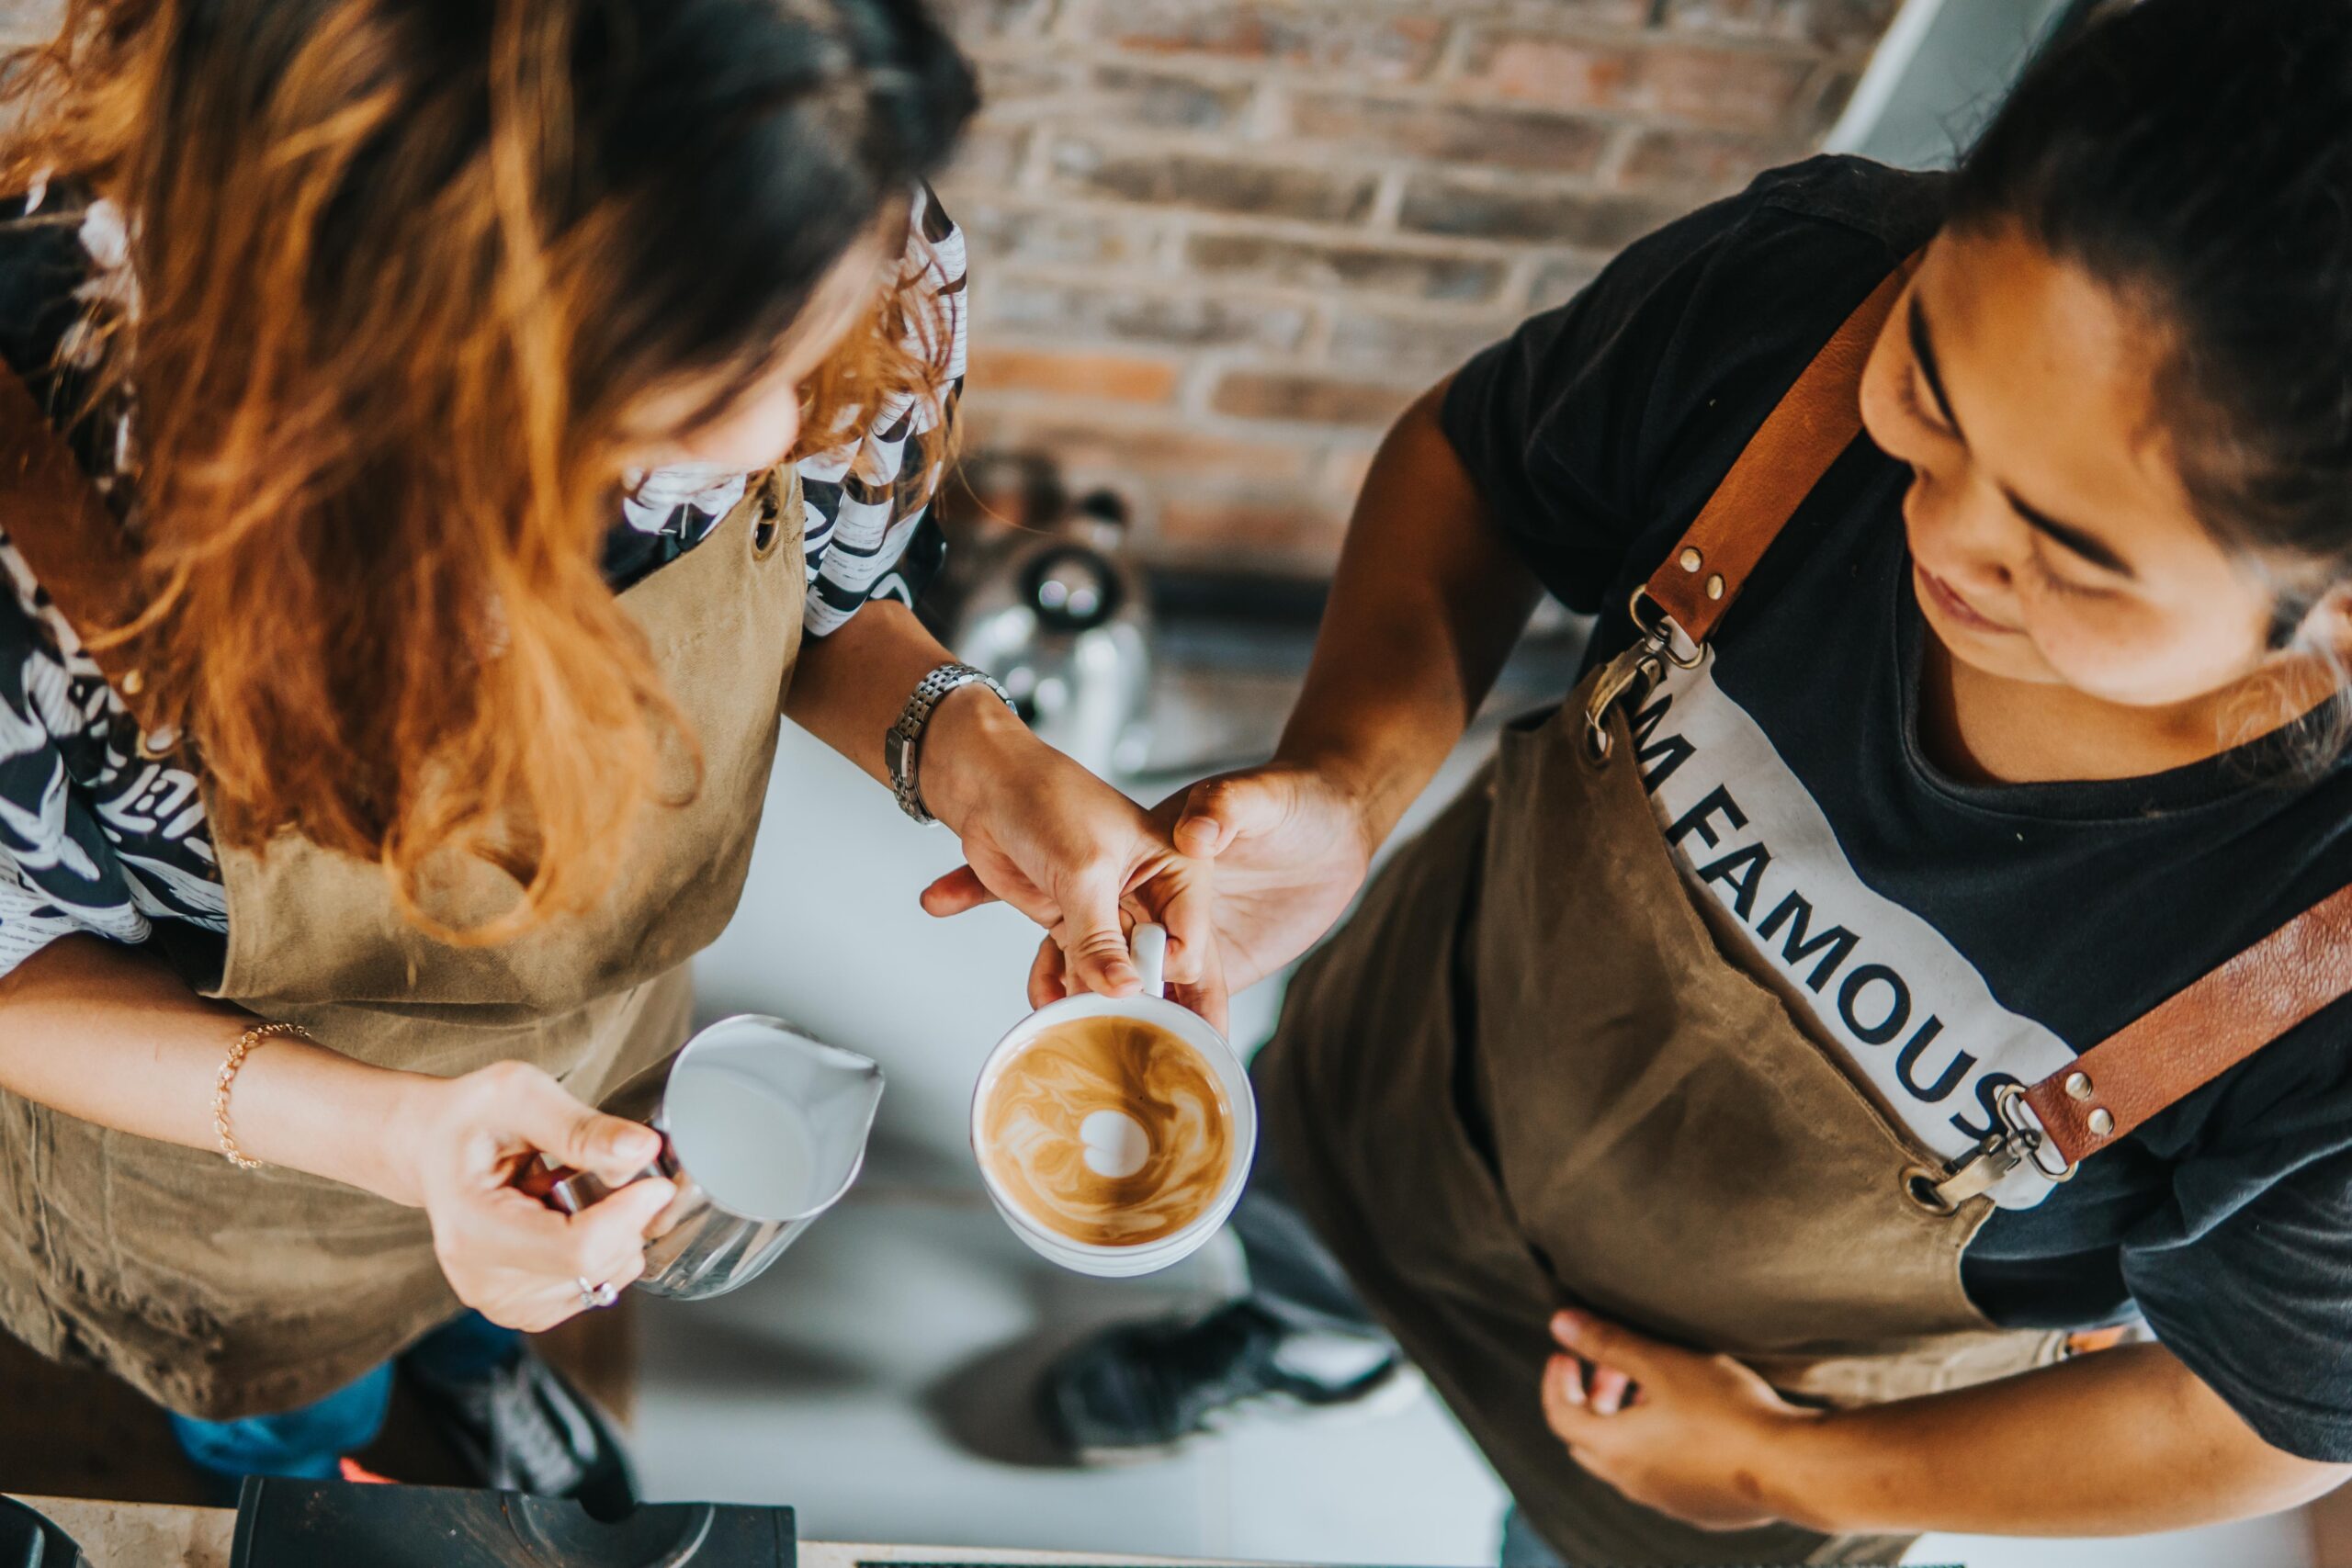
x: 2327, y: 624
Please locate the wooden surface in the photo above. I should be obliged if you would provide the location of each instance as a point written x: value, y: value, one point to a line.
x: 143, y: 1535
x: 133, y: 1535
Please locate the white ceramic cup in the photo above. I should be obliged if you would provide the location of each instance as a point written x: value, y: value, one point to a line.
x: 1149, y: 947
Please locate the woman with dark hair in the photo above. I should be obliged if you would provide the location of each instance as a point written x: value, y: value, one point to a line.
x: 1922, y: 938
x: 444, y: 436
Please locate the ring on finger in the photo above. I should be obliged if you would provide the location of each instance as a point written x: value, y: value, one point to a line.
x: 593, y: 1296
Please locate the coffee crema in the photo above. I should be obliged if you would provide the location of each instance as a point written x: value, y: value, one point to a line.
x: 1107, y: 1131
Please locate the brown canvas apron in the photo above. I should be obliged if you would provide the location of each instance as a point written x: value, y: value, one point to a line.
x: 1670, y: 1147
x: 222, y: 1292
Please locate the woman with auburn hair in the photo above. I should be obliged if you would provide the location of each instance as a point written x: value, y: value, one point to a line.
x: 455, y: 431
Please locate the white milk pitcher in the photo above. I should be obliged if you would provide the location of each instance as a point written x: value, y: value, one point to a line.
x: 763, y: 1129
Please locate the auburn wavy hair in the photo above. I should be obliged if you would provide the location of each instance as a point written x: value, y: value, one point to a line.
x: 404, y: 269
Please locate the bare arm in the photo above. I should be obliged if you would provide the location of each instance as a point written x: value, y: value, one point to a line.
x: 107, y: 1035
x: 1426, y: 604
x: 1038, y: 832
x: 2118, y: 1443
x: 849, y: 687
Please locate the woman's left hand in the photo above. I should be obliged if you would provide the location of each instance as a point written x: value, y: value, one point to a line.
x: 1688, y: 1434
x: 1072, y: 853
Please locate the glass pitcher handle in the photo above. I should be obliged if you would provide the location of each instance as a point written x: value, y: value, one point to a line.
x: 562, y: 1188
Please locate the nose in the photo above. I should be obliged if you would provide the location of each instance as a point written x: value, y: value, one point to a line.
x: 1966, y: 536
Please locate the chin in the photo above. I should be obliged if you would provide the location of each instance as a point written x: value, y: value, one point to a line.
x: 2007, y: 656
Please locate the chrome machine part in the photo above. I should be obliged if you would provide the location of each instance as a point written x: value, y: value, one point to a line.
x: 1062, y: 620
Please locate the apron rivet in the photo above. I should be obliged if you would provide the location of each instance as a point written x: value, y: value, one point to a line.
x: 1691, y: 559
x: 134, y: 683
x: 2102, y: 1121
x: 1715, y: 585
x: 2078, y: 1086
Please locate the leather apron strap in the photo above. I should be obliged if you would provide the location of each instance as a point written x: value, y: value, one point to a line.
x: 2199, y: 1032
x: 1677, y: 609
x: 74, y: 547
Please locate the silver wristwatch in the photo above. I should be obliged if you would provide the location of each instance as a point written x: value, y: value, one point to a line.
x: 902, y: 748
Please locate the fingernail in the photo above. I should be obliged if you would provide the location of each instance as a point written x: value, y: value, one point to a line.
x: 1566, y: 1321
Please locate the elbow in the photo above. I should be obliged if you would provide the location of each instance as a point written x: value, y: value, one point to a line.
x: 2251, y: 1474
x: 2277, y: 1480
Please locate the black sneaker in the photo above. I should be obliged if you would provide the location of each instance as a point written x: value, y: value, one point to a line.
x: 1141, y: 1390
x: 523, y: 1427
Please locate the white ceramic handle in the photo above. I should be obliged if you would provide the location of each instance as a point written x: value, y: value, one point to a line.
x: 1148, y: 946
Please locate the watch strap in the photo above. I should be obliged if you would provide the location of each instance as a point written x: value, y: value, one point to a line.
x: 902, y: 748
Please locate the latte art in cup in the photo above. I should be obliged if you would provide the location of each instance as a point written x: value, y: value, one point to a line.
x: 1110, y: 1131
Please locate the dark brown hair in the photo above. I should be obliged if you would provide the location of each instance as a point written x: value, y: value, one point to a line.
x: 2197, y: 156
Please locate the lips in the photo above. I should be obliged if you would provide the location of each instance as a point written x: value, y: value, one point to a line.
x: 1947, y: 600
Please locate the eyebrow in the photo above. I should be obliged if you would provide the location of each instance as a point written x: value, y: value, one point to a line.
x: 2081, y: 541
x: 2086, y: 545
x: 1922, y: 349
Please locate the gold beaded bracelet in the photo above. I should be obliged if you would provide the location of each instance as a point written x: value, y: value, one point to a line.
x: 229, y: 1065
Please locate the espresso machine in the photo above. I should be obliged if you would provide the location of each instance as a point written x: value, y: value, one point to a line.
x: 1051, y: 603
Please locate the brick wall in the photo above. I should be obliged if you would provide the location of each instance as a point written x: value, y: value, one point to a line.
x: 1218, y: 244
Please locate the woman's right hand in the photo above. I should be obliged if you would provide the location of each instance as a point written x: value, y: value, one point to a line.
x: 1289, y: 846
x: 462, y: 1144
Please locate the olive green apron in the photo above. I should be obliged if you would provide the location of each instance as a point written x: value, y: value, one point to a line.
x: 1660, y: 1138
x: 221, y: 1292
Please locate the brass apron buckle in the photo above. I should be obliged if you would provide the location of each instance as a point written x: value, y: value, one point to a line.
x: 2019, y: 1140
x: 1639, y: 666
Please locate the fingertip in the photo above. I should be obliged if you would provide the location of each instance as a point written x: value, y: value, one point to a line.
x: 622, y: 1150
x: 1200, y: 837
x: 635, y: 1206
x: 1567, y: 1328
x: 958, y: 891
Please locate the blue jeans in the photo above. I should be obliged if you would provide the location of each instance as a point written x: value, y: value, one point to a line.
x: 311, y: 1440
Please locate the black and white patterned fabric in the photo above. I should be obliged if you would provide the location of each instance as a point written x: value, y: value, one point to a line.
x: 94, y: 838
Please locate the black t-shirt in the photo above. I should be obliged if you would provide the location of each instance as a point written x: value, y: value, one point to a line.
x: 1945, y: 937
